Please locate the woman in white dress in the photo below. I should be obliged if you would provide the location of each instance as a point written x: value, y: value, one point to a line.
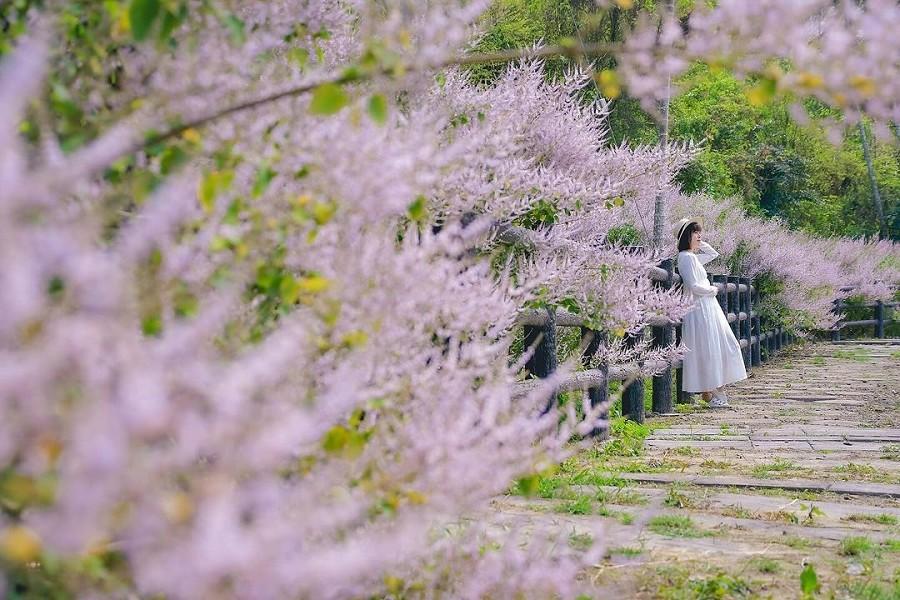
x: 713, y: 358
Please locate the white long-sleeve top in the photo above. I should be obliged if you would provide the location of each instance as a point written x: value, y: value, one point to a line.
x: 693, y: 275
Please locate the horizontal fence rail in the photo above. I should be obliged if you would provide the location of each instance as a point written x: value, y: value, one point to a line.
x: 883, y: 312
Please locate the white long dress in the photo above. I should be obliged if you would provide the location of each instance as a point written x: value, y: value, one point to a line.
x: 714, y: 355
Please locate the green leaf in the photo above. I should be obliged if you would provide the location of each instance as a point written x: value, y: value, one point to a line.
x: 185, y: 302
x: 289, y: 289
x: 328, y: 99
x: 378, y: 108
x: 152, y: 325
x: 299, y: 56
x: 212, y: 184
x: 336, y: 439
x: 142, y: 14
x: 172, y: 158
x: 264, y: 177
x: 416, y: 209
x: 529, y: 485
x: 170, y: 21
x: 235, y: 29
x: 809, y: 582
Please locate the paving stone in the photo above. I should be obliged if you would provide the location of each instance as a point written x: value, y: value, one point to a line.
x: 792, y: 445
x: 849, y: 446
x: 868, y: 489
x: 740, y: 444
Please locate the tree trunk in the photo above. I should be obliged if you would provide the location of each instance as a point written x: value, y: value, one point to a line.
x: 876, y: 196
x: 659, y: 209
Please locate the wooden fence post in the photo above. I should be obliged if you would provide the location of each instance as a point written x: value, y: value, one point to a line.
x: 722, y: 298
x: 836, y: 332
x: 755, y: 331
x: 879, y: 319
x: 734, y: 305
x: 543, y: 361
x: 745, y: 322
x: 662, y: 338
x: 633, y: 394
x: 681, y: 397
x: 598, y: 394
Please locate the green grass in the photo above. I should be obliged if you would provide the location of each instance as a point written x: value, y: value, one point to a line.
x: 765, y: 565
x: 676, y: 497
x: 581, y: 541
x: 739, y: 512
x: 623, y: 517
x: 588, y: 476
x: 621, y: 496
x: 856, y: 546
x: 627, y: 438
x: 674, y: 526
x: 794, y: 541
x: 718, y: 465
x: 855, y: 469
x: 651, y: 465
x: 881, y: 519
x: 626, y: 551
x: 818, y: 361
x: 581, y: 505
x: 778, y: 466
x: 857, y: 355
x: 891, y: 452
x: 780, y: 492
x: 682, y: 583
x: 685, y: 451
x: 868, y: 590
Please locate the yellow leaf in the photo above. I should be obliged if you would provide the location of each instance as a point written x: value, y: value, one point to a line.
x: 864, y: 85
x: 394, y: 585
x: 178, y: 507
x: 758, y: 95
x: 313, y: 284
x: 19, y: 544
x: 625, y: 4
x: 354, y: 339
x: 50, y: 448
x: 191, y: 135
x: 608, y: 80
x: 322, y: 212
x: 415, y: 497
x: 810, y: 80
x: 405, y: 38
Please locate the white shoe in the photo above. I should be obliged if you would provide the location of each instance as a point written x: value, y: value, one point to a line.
x: 719, y: 400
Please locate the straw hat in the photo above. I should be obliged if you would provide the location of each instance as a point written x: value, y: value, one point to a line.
x: 682, y: 225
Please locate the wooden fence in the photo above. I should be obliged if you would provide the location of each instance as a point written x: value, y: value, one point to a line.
x: 883, y: 313
x: 736, y: 296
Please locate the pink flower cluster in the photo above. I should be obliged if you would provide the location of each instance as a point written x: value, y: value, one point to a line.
x: 344, y: 448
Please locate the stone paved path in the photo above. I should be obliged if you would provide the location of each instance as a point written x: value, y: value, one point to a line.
x: 804, y: 468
